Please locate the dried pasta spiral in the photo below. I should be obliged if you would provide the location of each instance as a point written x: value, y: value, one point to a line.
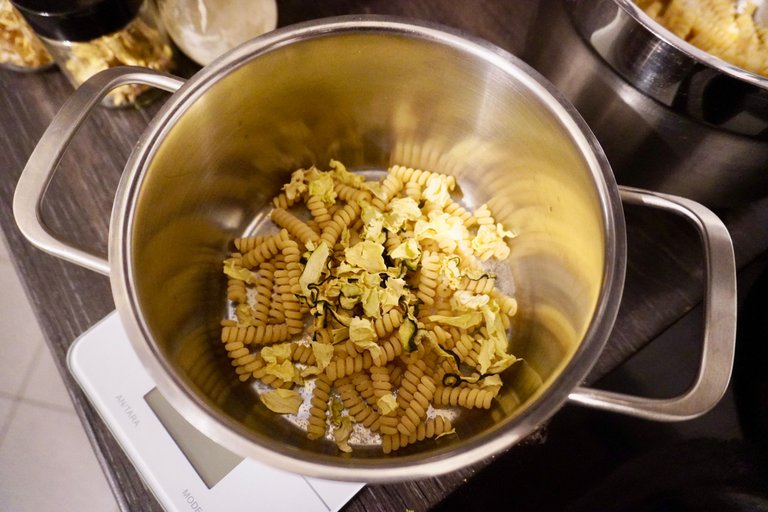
x: 318, y: 211
x: 409, y: 174
x: 283, y: 282
x: 276, y: 312
x: 426, y: 430
x: 418, y: 406
x: 464, y: 396
x: 389, y: 189
x: 413, y: 190
x: 314, y: 226
x: 409, y: 383
x: 236, y: 291
x: 457, y: 210
x: 364, y: 386
x: 483, y: 285
x: 507, y: 304
x: 248, y: 243
x: 294, y: 318
x: 388, y: 323
x: 467, y: 349
x: 348, y: 365
x: 428, y: 276
x: 294, y: 225
x: 268, y: 248
x: 483, y: 216
x: 263, y: 299
x: 282, y: 201
x: 391, y: 348
x: 262, y: 334
x: 381, y: 384
x: 317, y: 412
x: 358, y: 409
x: 351, y: 194
x: 340, y: 220
x: 302, y: 354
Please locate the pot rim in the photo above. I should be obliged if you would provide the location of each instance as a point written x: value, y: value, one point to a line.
x: 226, y: 431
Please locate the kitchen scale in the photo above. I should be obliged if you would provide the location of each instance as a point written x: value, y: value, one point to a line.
x: 184, y: 469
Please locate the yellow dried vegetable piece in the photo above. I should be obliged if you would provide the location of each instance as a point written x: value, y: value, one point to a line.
x: 282, y: 401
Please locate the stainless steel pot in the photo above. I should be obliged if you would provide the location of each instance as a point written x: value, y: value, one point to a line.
x: 669, y: 116
x: 372, y: 91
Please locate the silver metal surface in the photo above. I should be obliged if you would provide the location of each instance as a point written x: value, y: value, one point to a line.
x: 719, y: 338
x: 671, y: 71
x: 42, y: 164
x: 669, y: 116
x: 363, y: 90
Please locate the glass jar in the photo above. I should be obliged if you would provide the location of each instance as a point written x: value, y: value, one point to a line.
x: 20, y: 48
x: 88, y: 36
x: 205, y: 29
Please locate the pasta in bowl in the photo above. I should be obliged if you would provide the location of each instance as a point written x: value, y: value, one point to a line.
x: 727, y: 29
x: 404, y: 320
x: 407, y: 273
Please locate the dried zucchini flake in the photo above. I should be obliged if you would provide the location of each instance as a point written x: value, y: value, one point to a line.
x: 282, y: 401
x: 465, y: 300
x: 401, y: 210
x: 296, y: 187
x: 231, y: 269
x: 322, y: 186
x: 277, y: 357
x: 276, y: 353
x: 489, y: 240
x: 446, y: 433
x: 449, y: 271
x: 375, y: 188
x: 323, y: 353
x: 373, y: 221
x: 341, y: 174
x: 437, y: 190
x: 386, y: 404
x: 465, y: 321
x: 313, y: 270
x: 408, y: 250
x: 284, y: 371
x: 366, y: 255
x: 447, y: 230
x: 390, y: 296
x: 341, y: 434
x: 363, y: 335
x: 335, y: 409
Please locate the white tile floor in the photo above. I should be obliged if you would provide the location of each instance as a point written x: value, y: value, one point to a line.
x: 46, y: 462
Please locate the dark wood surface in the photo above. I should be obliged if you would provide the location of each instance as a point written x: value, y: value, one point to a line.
x: 664, y: 260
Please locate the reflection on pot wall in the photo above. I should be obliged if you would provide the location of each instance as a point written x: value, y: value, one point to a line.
x: 665, y: 122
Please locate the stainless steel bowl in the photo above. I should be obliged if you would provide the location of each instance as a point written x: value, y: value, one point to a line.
x: 370, y: 92
x: 669, y: 116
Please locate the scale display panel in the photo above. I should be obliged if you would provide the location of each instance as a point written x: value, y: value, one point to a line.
x: 183, y: 468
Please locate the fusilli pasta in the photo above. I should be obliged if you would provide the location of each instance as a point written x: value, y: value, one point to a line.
x: 385, y: 280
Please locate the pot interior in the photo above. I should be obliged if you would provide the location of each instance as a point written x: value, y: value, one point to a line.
x: 371, y: 99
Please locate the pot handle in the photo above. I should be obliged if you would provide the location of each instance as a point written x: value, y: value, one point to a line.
x: 45, y: 158
x: 719, y: 341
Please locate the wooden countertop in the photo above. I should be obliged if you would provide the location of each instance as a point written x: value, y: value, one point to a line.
x: 664, y: 260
